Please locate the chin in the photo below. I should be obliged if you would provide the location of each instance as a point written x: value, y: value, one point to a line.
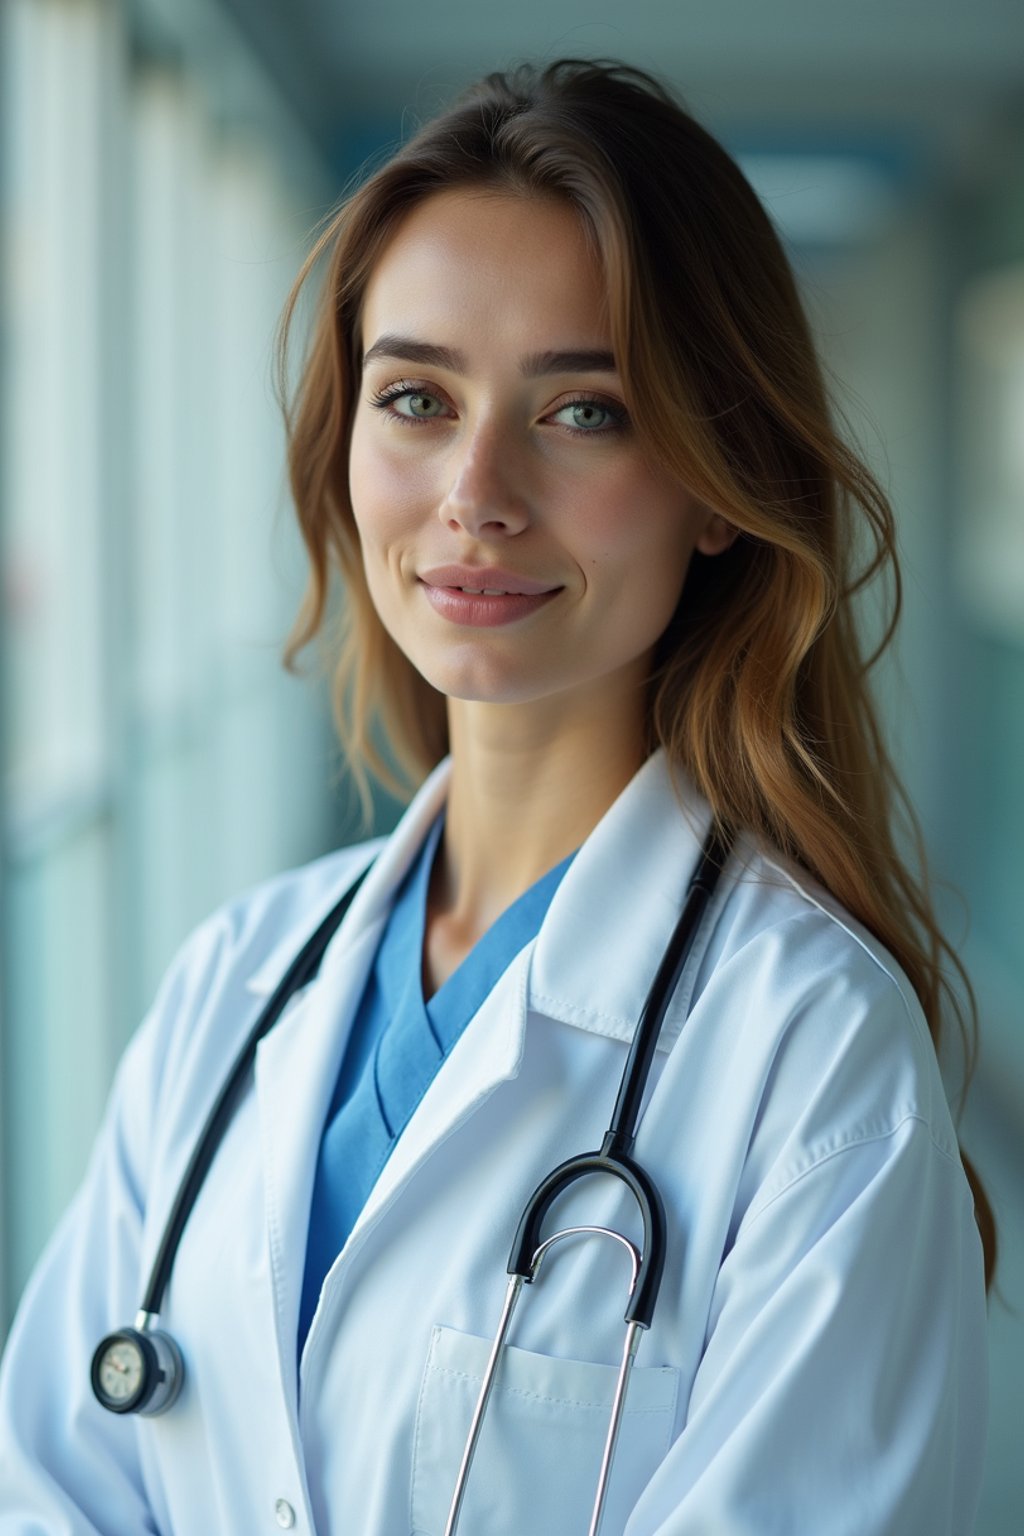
x: 478, y: 692
x: 486, y: 682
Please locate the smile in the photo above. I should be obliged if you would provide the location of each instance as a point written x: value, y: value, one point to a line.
x: 484, y: 607
x: 486, y: 581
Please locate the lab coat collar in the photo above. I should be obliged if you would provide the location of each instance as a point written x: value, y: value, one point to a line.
x: 624, y: 892
x: 389, y: 861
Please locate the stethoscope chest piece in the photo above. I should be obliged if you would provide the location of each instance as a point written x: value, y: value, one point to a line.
x: 137, y: 1370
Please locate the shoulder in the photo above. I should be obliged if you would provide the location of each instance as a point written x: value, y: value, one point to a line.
x: 773, y: 904
x: 205, y: 1006
x: 207, y: 994
x: 279, y: 913
x: 778, y: 968
x: 823, y: 1032
x: 244, y: 932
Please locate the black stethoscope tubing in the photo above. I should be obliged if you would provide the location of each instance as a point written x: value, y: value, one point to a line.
x: 615, y: 1157
x: 299, y: 974
x: 161, y: 1360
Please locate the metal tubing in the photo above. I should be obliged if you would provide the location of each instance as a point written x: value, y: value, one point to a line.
x: 612, y: 1440
x: 515, y: 1285
x: 631, y: 1249
x: 512, y: 1293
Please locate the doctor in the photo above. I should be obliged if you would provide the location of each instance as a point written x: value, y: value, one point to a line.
x: 562, y: 428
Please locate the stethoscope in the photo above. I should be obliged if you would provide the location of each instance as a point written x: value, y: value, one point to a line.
x: 139, y: 1369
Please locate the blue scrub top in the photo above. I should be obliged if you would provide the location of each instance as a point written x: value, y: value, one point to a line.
x: 396, y: 1046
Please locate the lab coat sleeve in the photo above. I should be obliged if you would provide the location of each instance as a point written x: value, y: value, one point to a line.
x: 67, y: 1466
x: 842, y: 1387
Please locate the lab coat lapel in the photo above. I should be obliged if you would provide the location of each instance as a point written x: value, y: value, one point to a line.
x: 298, y: 1062
x: 488, y: 1052
x: 624, y: 891
x: 296, y: 1066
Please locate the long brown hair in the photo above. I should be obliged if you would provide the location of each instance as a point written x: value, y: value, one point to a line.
x: 760, y: 686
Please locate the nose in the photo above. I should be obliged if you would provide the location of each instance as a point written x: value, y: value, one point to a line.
x: 485, y: 494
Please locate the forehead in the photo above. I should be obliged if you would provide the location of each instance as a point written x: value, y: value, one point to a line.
x: 477, y: 258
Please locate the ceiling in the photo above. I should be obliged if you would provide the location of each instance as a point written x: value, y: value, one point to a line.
x: 936, y: 78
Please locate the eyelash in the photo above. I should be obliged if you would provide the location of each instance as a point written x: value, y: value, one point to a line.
x: 385, y: 397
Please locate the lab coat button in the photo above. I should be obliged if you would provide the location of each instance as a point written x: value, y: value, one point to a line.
x: 285, y: 1514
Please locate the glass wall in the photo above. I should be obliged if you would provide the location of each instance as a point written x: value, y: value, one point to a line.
x: 155, y: 757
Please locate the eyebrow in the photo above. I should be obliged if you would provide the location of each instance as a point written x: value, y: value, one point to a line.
x: 407, y: 350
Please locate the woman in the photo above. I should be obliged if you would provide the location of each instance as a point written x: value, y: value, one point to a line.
x: 562, y: 429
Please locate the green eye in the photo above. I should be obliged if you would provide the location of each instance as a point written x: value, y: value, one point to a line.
x: 418, y: 404
x: 589, y: 417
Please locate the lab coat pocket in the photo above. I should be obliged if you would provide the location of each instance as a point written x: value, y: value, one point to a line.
x: 539, y: 1454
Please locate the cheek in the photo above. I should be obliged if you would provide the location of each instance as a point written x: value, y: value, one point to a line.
x: 384, y: 488
x: 641, y: 529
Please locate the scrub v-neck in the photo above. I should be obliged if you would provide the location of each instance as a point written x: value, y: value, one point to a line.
x: 397, y: 1044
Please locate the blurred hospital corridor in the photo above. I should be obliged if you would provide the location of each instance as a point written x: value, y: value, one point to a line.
x: 165, y: 166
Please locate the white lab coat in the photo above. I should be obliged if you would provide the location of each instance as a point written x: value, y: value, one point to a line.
x: 817, y: 1363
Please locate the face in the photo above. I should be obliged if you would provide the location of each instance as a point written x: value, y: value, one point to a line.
x: 518, y: 544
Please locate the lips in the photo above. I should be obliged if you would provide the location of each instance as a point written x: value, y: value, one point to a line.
x: 484, y: 597
x: 490, y: 580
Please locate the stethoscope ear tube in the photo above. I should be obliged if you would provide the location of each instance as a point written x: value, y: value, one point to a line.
x: 621, y: 1132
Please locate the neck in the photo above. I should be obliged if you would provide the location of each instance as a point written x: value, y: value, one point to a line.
x: 529, y: 784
